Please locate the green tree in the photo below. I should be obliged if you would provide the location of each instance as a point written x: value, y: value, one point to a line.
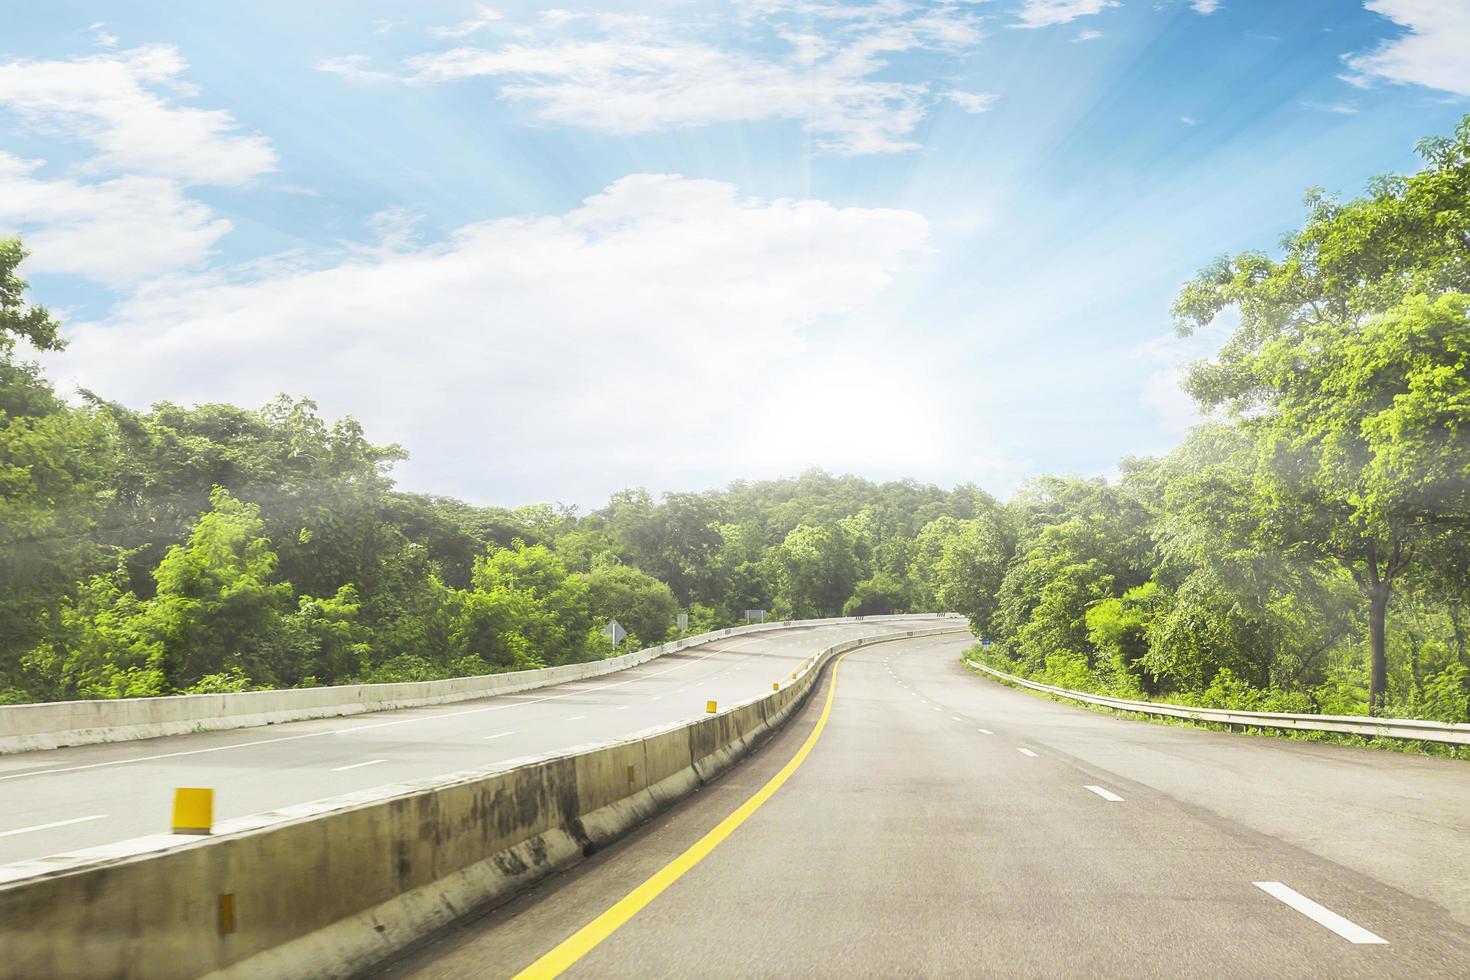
x: 814, y: 570
x: 880, y: 595
x: 644, y: 606
x: 217, y: 607
x: 1312, y: 374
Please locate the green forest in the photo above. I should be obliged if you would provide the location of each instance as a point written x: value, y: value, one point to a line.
x: 1306, y: 548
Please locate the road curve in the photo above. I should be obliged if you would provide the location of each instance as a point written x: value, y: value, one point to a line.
x: 67, y: 799
x: 944, y: 825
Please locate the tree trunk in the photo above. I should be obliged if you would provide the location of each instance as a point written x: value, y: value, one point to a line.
x: 1459, y: 631
x: 1378, y: 675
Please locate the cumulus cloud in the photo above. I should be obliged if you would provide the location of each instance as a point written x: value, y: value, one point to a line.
x: 1433, y: 53
x: 633, y: 74
x: 1048, y: 13
x: 116, y: 231
x: 121, y: 214
x: 1205, y: 7
x: 609, y: 343
x: 121, y: 103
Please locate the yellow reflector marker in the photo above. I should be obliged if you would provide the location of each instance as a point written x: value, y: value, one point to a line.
x: 710, y: 707
x: 226, y: 914
x: 776, y: 686
x: 584, y: 940
x: 193, y: 810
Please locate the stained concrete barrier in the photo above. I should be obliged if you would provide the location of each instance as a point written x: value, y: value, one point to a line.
x: 328, y: 889
x: 57, y: 724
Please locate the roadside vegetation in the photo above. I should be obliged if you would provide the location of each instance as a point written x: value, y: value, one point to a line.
x: 1306, y: 548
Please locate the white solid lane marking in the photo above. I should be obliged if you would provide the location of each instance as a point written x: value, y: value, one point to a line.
x: 657, y: 697
x: 1108, y: 795
x: 576, y: 717
x: 624, y: 707
x: 358, y: 765
x: 1027, y: 752
x: 985, y: 731
x: 1321, y: 915
x: 48, y: 826
x: 500, y: 735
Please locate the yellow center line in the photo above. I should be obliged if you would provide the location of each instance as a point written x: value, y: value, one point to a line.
x: 584, y: 940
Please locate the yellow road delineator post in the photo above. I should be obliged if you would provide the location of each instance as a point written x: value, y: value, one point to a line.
x: 193, y: 810
x: 710, y: 707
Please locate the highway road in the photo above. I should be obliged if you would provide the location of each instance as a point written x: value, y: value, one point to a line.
x: 63, y: 800
x: 927, y: 821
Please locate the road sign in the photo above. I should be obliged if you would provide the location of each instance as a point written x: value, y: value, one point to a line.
x: 683, y: 622
x: 759, y: 614
x: 614, y: 630
x: 985, y: 644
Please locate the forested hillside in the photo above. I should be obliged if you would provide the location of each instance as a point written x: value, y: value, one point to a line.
x: 1304, y: 549
x: 218, y: 548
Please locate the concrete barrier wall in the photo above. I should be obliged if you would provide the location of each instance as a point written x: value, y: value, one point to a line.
x: 338, y: 885
x: 28, y: 727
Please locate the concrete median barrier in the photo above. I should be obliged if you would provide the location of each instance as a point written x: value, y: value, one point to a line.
x: 329, y: 888
x: 31, y: 727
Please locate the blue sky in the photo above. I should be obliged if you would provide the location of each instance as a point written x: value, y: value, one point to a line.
x: 554, y: 252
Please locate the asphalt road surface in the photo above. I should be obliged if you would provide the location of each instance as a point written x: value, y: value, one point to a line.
x: 67, y: 799
x: 941, y: 824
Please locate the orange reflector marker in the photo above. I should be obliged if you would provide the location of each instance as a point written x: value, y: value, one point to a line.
x: 226, y: 914
x: 710, y: 707
x: 193, y: 810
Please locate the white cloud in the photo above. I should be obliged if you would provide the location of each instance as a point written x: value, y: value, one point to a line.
x: 116, y: 231
x: 101, y: 37
x: 1434, y: 53
x: 113, y: 101
x: 1047, y: 13
x: 1205, y: 7
x: 483, y: 18
x: 1189, y: 120
x: 632, y: 74
x: 353, y: 67
x: 635, y: 338
x: 1088, y: 36
x: 972, y: 101
x: 1171, y: 355
x: 1337, y: 108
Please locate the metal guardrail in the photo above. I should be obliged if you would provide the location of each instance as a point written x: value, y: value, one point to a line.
x: 1402, y: 728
